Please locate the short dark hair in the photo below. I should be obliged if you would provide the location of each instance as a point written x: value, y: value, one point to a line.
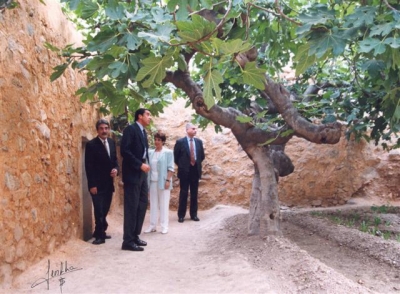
x: 140, y: 111
x: 102, y: 121
x: 160, y: 135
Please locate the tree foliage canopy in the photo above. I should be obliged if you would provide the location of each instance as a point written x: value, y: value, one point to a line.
x: 345, y: 55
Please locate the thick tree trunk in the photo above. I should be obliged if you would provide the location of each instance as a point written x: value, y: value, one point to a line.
x: 270, y: 162
x: 264, y: 214
x: 255, y: 205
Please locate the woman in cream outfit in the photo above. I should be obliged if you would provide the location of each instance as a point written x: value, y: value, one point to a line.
x: 160, y: 183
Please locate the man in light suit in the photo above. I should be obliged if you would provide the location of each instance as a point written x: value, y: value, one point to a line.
x: 188, y: 156
x: 101, y: 168
x: 134, y: 150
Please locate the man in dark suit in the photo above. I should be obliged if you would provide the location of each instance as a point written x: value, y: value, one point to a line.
x: 101, y: 168
x: 188, y: 156
x: 134, y: 150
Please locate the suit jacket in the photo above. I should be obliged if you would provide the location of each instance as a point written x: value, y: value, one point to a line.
x: 165, y: 163
x: 133, y: 146
x: 182, y: 156
x: 98, y: 164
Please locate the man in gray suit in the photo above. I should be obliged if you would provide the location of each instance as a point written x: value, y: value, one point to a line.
x: 188, y: 156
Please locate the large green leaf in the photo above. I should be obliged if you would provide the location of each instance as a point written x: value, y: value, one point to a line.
x: 396, y: 114
x: 117, y: 51
x: 117, y: 103
x: 392, y: 42
x: 211, y: 87
x: 369, y: 44
x: 106, y: 90
x: 395, y: 57
x: 131, y: 41
x: 362, y: 16
x: 182, y: 65
x: 304, y: 29
x: 58, y: 71
x: 134, y: 61
x: 172, y: 5
x: 88, y: 8
x: 51, y: 47
x: 161, y: 34
x: 154, y: 68
x: 374, y: 67
x: 115, y: 10
x: 254, y: 76
x: 207, y: 3
x: 159, y: 15
x: 102, y: 41
x: 72, y: 4
x: 118, y: 68
x: 303, y: 59
x: 382, y: 29
x: 231, y: 46
x: 88, y: 93
x: 197, y: 28
x: 321, y: 16
x: 100, y: 65
x: 244, y: 119
x: 329, y: 41
x: 350, y: 33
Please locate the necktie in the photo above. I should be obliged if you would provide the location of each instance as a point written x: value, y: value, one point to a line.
x: 192, y: 159
x: 146, y: 144
x: 105, y: 142
x: 145, y: 136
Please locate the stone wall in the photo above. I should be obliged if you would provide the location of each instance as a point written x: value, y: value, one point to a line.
x: 43, y: 126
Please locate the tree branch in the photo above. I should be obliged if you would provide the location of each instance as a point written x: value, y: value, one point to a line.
x: 312, y: 90
x: 388, y: 5
x: 320, y: 134
x: 246, y: 133
x: 279, y: 13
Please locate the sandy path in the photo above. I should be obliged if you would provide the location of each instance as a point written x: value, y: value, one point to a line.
x: 178, y: 262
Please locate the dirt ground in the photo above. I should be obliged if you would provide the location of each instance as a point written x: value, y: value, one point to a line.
x: 215, y: 255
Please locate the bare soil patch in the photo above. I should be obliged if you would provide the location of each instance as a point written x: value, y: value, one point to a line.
x: 215, y: 255
x: 382, y: 221
x: 333, y: 237
x: 316, y: 254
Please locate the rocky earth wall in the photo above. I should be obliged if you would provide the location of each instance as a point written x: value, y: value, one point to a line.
x: 325, y: 175
x: 43, y: 126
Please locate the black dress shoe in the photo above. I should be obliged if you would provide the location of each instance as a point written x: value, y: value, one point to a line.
x: 131, y: 247
x: 107, y: 237
x: 195, y: 218
x: 98, y: 241
x: 139, y: 242
x: 181, y: 219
